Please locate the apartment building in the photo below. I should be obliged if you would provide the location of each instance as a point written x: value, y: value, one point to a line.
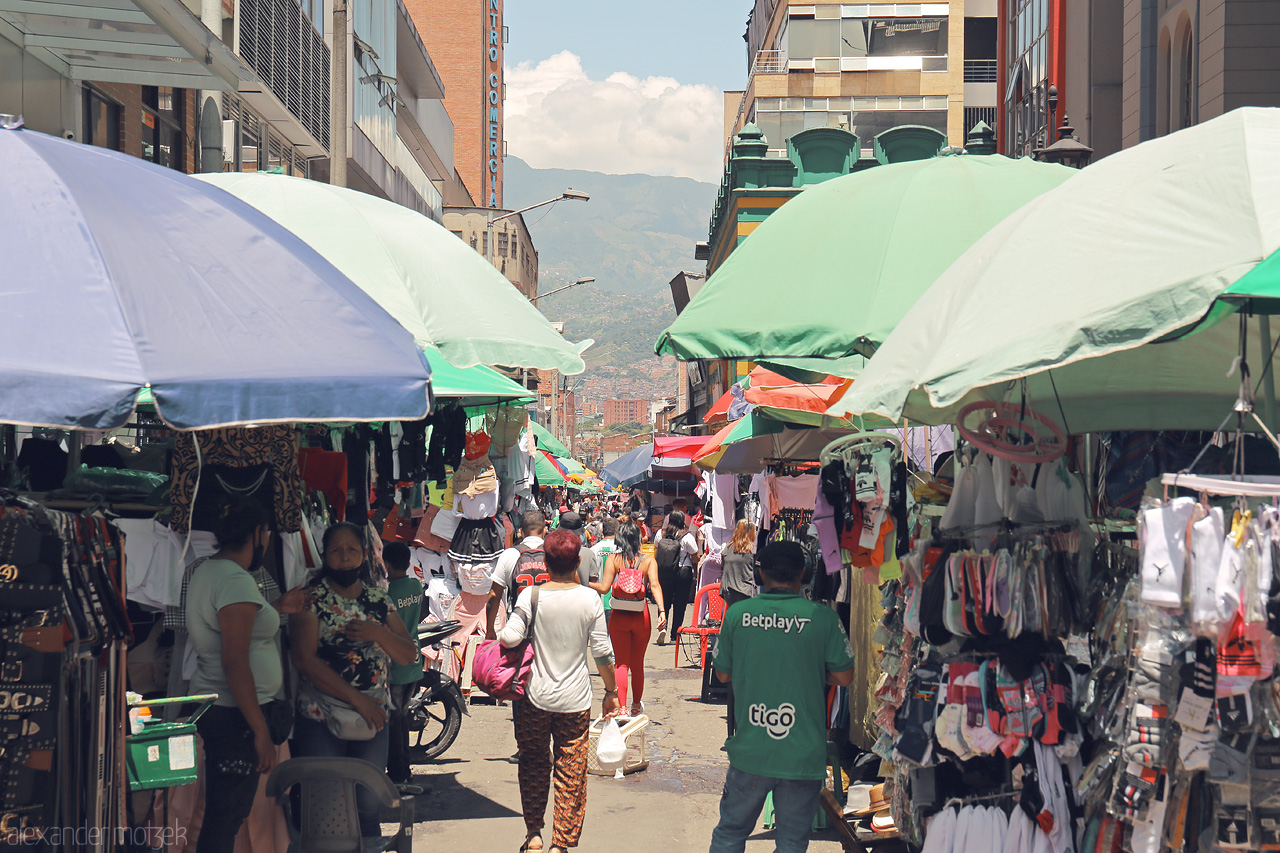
x: 865, y: 68
x: 625, y: 411
x: 511, y: 251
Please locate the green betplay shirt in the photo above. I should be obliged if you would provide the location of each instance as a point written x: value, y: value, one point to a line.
x: 406, y: 594
x: 779, y: 647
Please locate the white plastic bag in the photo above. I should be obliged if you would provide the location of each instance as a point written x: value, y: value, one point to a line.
x: 611, y: 748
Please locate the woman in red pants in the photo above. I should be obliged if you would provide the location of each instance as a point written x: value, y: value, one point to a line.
x: 629, y: 574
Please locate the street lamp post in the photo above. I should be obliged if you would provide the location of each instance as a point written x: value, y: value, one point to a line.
x: 1068, y: 150
x: 567, y: 195
x: 584, y: 280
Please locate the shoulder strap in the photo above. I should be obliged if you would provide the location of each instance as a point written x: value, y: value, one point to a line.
x: 533, y: 609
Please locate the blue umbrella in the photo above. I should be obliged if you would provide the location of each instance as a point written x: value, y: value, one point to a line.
x: 629, y: 469
x: 116, y: 274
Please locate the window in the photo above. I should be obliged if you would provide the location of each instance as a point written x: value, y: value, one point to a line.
x: 868, y: 117
x: 815, y: 38
x: 163, y: 141
x: 101, y: 121
x: 502, y: 244
x: 1187, y: 108
x: 485, y: 244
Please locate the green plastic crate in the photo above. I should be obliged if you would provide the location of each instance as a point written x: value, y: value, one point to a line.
x: 163, y: 755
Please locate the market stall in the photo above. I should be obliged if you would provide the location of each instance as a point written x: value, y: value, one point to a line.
x: 1054, y: 675
x: 138, y: 297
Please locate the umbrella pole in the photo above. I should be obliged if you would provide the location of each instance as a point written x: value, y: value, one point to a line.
x: 1268, y: 375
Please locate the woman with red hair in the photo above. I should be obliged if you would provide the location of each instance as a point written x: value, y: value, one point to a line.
x: 565, y: 621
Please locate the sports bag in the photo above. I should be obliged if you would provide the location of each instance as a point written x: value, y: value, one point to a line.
x: 628, y: 584
x: 501, y: 672
x: 667, y: 554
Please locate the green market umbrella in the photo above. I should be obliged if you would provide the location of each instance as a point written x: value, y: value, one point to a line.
x: 833, y: 270
x: 437, y: 287
x: 547, y: 441
x: 571, y: 466
x: 748, y: 444
x: 478, y: 385
x: 1074, y: 290
x: 548, y: 475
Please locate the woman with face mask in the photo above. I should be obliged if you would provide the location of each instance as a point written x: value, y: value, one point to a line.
x: 342, y: 646
x: 233, y: 630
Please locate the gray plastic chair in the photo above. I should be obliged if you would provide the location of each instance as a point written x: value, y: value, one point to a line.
x: 329, y: 821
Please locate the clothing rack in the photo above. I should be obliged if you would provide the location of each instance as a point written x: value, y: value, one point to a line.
x: 1244, y: 486
x: 960, y: 802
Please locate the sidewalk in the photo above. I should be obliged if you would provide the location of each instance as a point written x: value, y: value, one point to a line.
x: 672, y: 806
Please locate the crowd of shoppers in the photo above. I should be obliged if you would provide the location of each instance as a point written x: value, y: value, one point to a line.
x: 579, y: 593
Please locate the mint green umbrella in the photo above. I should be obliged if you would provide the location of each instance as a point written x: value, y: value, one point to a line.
x: 436, y: 286
x: 832, y: 271
x: 477, y: 386
x: 1087, y: 293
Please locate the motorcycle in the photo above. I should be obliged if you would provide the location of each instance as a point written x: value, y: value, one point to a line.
x: 435, y: 710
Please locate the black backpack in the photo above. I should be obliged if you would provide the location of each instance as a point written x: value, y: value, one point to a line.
x: 530, y: 570
x: 667, y: 554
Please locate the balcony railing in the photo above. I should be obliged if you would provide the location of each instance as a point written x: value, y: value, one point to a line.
x: 981, y: 70
x: 770, y: 62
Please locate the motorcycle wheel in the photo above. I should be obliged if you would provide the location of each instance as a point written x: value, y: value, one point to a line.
x: 443, y: 722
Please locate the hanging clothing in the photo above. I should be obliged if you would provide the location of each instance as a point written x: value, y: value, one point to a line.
x: 238, y: 448
x: 325, y: 471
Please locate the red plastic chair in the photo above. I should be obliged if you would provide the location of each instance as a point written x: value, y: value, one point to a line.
x: 715, y: 611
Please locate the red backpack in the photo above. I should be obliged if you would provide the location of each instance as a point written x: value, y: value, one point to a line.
x: 628, y: 584
x: 530, y: 570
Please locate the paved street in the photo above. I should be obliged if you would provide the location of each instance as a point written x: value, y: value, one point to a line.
x: 672, y: 806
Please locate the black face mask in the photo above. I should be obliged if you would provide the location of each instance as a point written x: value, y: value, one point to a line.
x: 344, y: 577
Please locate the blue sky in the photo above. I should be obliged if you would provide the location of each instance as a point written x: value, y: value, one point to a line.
x: 623, y: 88
x: 694, y: 41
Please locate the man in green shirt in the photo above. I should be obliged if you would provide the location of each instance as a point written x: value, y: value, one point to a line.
x: 406, y: 592
x: 780, y: 650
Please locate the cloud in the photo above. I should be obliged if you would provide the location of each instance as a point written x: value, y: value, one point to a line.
x: 557, y: 117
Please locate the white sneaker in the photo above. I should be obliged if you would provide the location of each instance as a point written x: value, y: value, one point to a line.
x: 662, y: 637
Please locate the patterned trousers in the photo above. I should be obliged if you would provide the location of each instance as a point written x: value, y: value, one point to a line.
x: 544, y: 736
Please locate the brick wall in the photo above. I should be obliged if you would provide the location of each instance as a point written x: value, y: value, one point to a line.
x: 456, y: 34
x: 130, y: 100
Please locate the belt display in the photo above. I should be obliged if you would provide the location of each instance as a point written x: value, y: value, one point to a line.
x: 63, y: 628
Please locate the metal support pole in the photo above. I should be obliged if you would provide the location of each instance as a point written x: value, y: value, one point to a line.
x: 338, y: 97
x: 1268, y: 375
x: 209, y: 116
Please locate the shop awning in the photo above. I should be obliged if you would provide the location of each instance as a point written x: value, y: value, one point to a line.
x: 138, y: 42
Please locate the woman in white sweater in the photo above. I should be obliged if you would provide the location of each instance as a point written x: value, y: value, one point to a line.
x: 566, y: 623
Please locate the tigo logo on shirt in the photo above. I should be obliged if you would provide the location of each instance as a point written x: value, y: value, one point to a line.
x: 776, y: 721
x: 769, y: 621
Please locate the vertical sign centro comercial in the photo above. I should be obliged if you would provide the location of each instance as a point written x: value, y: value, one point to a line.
x: 494, y: 98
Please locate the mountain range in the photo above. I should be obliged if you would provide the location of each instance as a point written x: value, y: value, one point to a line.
x: 633, y: 236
